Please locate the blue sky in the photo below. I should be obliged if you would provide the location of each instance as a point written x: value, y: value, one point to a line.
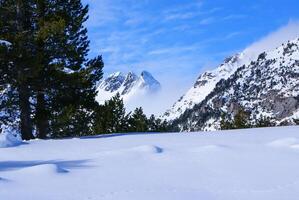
x: 176, y: 40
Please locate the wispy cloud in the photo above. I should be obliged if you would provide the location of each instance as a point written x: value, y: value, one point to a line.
x: 276, y: 38
x: 175, y: 50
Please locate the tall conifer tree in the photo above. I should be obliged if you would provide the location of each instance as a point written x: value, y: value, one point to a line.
x: 17, y: 28
x: 46, y: 65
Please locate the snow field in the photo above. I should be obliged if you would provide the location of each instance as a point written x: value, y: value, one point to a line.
x: 230, y: 165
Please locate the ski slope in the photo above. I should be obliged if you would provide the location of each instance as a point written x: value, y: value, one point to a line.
x: 259, y: 164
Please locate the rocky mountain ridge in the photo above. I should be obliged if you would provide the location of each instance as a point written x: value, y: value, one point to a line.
x: 265, y: 86
x: 127, y: 85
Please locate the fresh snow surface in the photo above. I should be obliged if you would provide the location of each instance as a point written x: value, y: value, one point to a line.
x: 259, y: 164
x: 8, y: 138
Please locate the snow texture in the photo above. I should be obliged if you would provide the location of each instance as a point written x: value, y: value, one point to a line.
x: 250, y: 164
x: 9, y: 137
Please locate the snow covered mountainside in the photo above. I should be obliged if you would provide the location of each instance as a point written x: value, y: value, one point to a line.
x: 259, y: 164
x: 207, y: 81
x: 129, y: 86
x: 205, y: 84
x: 266, y: 84
x: 266, y: 87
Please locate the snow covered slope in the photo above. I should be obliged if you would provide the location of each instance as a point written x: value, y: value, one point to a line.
x: 265, y: 87
x: 129, y: 86
x: 207, y: 81
x: 205, y: 84
x: 259, y: 164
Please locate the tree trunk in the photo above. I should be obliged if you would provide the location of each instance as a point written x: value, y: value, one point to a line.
x: 25, y: 112
x: 23, y: 87
x: 42, y: 115
x: 42, y: 124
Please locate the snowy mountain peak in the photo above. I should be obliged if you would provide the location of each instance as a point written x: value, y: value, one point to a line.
x: 115, y: 74
x: 148, y: 81
x: 266, y: 86
x: 207, y: 81
x: 128, y: 86
x: 205, y: 84
x: 113, y: 82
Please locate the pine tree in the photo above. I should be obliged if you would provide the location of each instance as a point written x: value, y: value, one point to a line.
x: 138, y: 121
x: 46, y: 67
x: 66, y: 81
x: 226, y: 123
x: 157, y: 125
x: 17, y: 27
x: 111, y: 117
x: 241, y: 119
x: 152, y: 123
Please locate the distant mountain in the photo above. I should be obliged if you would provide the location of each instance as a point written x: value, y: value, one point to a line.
x: 204, y: 85
x: 129, y: 86
x: 266, y: 84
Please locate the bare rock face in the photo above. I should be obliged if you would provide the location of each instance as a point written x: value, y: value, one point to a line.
x: 267, y: 86
x: 284, y: 106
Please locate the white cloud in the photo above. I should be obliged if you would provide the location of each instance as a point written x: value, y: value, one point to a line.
x: 175, y: 50
x: 276, y: 38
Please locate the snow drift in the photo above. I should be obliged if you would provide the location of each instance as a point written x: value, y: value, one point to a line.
x: 9, y: 137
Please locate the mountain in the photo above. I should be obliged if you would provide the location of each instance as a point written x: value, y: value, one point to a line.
x: 206, y: 82
x: 265, y: 84
x: 129, y: 86
x: 204, y: 85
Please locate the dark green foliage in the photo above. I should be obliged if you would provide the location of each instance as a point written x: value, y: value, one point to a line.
x: 46, y: 62
x: 138, y: 121
x: 296, y: 121
x: 17, y: 62
x: 264, y: 122
x: 66, y: 78
x: 157, y: 125
x: 241, y: 120
x: 112, y: 118
x: 225, y: 123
